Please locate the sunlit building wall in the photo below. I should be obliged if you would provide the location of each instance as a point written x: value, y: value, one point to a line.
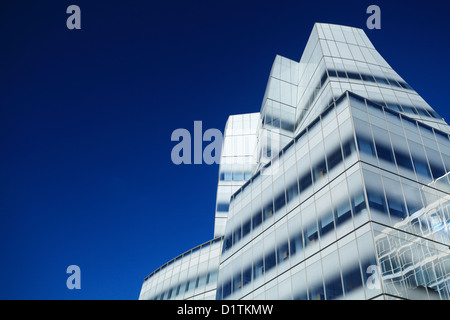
x: 237, y: 162
x: 347, y: 192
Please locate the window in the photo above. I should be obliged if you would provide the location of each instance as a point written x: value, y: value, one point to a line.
x: 348, y: 148
x: 423, y: 112
x: 268, y: 211
x: 358, y: 203
x: 396, y: 206
x: 225, y: 176
x: 395, y: 107
x: 246, y: 227
x: 227, y: 243
x: 323, y: 79
x: 311, y: 234
x: 332, y: 73
x: 219, y: 293
x: 421, y: 167
x: 296, y: 243
x: 333, y: 288
x: 316, y: 292
x: 367, y: 77
x: 211, y: 277
x: 197, y: 282
x: 279, y: 202
x: 376, y: 201
x: 305, y: 181
x: 352, y: 279
x: 382, y: 80
x: 342, y: 213
x: 435, y: 162
x: 238, y: 176
x: 341, y: 74
x: 237, y: 234
x: 384, y: 152
x: 282, y: 252
x: 258, y: 269
x: 223, y: 207
x: 319, y: 170
x: 237, y: 282
x: 247, y: 276
x: 437, y: 170
x: 366, y: 146
x: 410, y: 110
x: 189, y: 285
x: 326, y: 223
x: 227, y: 288
x: 256, y: 219
x: 269, y: 261
x: 353, y: 75
x: 291, y: 192
x: 403, y: 160
x: 334, y: 158
x: 413, y: 199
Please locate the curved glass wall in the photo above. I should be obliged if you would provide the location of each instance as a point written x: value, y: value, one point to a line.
x: 191, y: 275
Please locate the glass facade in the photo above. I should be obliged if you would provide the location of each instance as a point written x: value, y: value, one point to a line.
x: 237, y: 162
x: 348, y: 195
x: 191, y: 275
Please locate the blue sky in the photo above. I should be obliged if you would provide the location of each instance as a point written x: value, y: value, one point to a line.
x: 86, y: 118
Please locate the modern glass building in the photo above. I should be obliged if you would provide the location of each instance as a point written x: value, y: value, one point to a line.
x: 344, y: 192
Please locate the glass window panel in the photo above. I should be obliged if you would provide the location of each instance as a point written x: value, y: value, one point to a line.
x: 332, y: 276
x: 292, y: 192
x: 434, y: 158
x: 269, y: 260
x: 315, y: 282
x: 413, y: 199
x: 226, y: 288
x: 366, y: 146
x: 376, y: 201
x: 212, y: 277
x: 279, y: 202
x: 237, y: 282
x: 238, y: 176
x: 369, y: 266
x: 305, y: 181
x: 395, y: 201
x: 296, y: 243
x: 246, y: 227
x: 247, y: 276
x: 351, y: 273
x: 256, y: 219
x: 384, y: 152
x: 421, y: 168
x: 299, y: 288
x: 258, y: 268
x: 237, y: 233
x: 282, y: 252
x: 403, y: 160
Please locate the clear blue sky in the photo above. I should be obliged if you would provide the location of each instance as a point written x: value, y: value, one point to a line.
x: 86, y: 118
